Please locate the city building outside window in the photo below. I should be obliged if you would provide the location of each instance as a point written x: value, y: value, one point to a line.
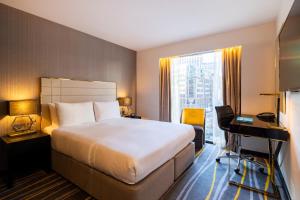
x: 196, y: 82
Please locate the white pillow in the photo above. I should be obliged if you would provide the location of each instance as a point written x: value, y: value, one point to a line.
x: 53, y: 115
x: 106, y: 110
x: 75, y: 113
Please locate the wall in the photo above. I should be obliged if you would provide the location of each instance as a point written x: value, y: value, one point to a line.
x: 32, y: 47
x: 289, y: 158
x: 258, y: 74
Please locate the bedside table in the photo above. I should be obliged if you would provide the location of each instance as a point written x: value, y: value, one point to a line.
x: 24, y: 152
x: 133, y: 116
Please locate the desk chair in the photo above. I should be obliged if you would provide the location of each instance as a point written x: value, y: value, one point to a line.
x: 225, y: 115
x: 196, y: 118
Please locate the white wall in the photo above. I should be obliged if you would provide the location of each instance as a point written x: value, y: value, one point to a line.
x: 283, y: 13
x: 258, y: 69
x: 289, y: 158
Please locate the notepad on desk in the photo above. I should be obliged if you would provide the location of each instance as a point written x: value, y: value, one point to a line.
x: 245, y: 119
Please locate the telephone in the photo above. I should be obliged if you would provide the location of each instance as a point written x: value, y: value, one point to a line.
x: 266, y: 116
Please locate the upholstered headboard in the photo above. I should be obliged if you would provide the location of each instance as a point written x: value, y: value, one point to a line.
x: 70, y: 91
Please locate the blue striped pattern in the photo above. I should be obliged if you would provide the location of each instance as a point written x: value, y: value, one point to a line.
x: 208, y: 180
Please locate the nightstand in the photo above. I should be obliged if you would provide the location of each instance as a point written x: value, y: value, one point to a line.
x: 24, y: 152
x: 133, y: 116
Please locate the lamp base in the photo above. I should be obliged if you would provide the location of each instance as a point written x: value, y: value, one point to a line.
x: 17, y: 134
x: 22, y: 123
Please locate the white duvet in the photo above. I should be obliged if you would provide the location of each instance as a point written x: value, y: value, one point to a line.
x: 127, y: 149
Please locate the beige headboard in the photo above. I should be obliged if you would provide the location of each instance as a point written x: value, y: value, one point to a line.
x: 70, y: 91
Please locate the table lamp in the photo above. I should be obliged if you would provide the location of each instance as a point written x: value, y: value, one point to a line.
x: 125, y: 102
x: 22, y: 109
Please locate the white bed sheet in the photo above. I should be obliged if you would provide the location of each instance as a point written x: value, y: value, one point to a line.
x: 127, y: 149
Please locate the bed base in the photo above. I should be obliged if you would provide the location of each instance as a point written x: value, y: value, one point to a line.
x: 102, y: 186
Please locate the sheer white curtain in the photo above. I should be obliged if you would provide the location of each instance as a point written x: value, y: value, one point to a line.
x: 196, y: 81
x: 218, y: 136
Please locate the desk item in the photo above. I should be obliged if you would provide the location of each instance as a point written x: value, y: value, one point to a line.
x: 24, y: 152
x: 244, y: 119
x: 266, y: 116
x: 265, y: 130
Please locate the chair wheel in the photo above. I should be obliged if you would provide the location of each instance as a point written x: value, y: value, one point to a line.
x: 237, y: 170
x: 218, y: 160
x: 261, y: 170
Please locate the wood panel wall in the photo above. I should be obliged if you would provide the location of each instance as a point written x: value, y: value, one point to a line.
x: 32, y: 47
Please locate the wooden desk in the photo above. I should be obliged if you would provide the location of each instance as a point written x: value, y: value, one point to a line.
x: 266, y: 130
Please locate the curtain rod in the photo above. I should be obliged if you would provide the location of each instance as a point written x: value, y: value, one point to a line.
x: 197, y: 53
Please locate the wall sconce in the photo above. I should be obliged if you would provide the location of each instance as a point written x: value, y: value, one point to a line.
x: 125, y: 102
x: 22, y: 109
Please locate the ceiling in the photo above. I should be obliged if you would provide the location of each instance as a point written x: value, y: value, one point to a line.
x: 143, y: 24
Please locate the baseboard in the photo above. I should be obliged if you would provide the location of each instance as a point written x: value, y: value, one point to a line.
x: 255, y: 153
x: 284, y: 186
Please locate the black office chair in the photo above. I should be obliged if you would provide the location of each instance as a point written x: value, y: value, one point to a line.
x: 225, y: 115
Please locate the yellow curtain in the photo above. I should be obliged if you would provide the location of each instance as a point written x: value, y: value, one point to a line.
x: 232, y: 77
x: 165, y: 89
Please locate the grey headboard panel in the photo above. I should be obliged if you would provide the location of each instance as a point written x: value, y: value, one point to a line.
x: 70, y: 91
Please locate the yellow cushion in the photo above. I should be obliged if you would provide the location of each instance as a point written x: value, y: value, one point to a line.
x: 193, y: 116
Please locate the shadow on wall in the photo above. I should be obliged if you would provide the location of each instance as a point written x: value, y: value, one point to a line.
x: 3, y: 109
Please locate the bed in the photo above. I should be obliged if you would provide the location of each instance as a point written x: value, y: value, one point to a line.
x: 140, y: 160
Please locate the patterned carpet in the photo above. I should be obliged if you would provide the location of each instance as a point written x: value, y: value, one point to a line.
x: 41, y: 186
x: 205, y: 179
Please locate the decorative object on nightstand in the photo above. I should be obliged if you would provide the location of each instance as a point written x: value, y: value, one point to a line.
x: 25, y: 152
x: 125, y: 103
x: 23, y: 122
x: 134, y: 116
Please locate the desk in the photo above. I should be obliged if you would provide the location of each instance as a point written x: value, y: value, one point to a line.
x: 266, y: 130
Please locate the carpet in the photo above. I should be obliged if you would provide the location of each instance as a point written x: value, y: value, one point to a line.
x: 205, y: 179
x: 42, y: 186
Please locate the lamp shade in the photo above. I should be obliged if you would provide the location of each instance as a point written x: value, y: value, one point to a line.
x: 23, y: 107
x: 125, y: 101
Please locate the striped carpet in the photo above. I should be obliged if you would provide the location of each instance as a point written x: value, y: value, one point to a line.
x: 42, y: 186
x: 205, y: 179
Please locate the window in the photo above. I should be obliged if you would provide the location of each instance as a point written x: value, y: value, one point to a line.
x: 196, y: 81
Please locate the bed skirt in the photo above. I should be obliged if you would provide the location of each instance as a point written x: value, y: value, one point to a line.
x: 105, y: 187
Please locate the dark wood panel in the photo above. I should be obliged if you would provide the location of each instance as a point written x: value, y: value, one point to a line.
x: 32, y: 47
